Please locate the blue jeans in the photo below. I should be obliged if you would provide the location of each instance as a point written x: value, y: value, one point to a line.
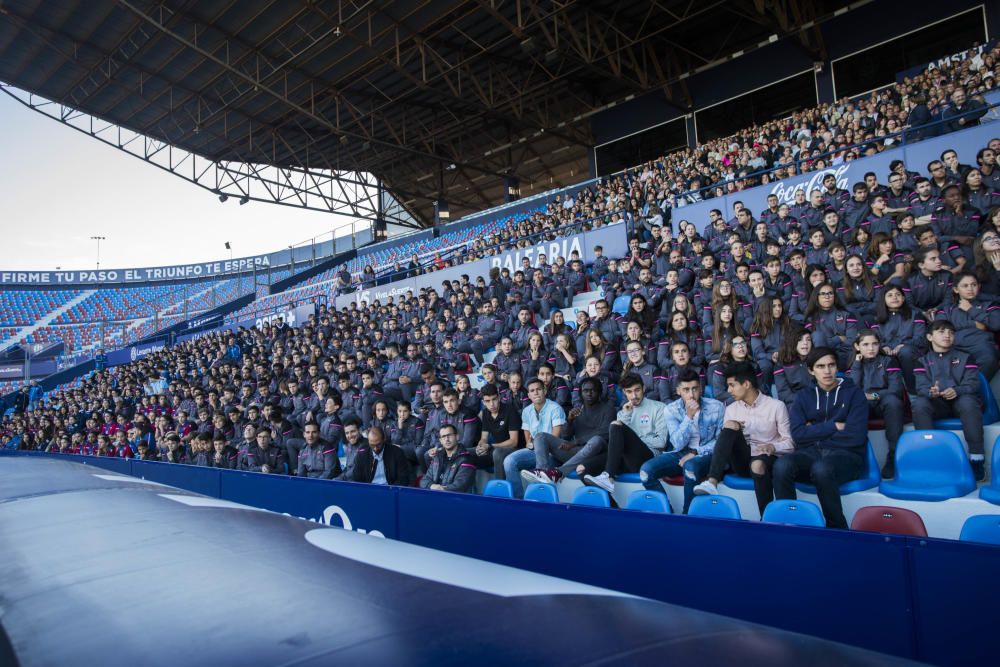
x: 522, y: 459
x: 667, y: 465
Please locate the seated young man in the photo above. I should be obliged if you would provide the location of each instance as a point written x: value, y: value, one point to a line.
x: 586, y: 437
x: 947, y: 385
x: 450, y: 469
x: 501, y: 434
x: 639, y: 434
x: 830, y: 427
x: 754, y: 434
x: 541, y: 415
x: 694, y: 423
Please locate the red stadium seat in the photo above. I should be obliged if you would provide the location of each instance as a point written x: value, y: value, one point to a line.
x: 889, y: 520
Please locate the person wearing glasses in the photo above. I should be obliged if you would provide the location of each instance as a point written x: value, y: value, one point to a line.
x: 606, y: 323
x: 737, y: 351
x: 830, y: 325
x: 451, y: 468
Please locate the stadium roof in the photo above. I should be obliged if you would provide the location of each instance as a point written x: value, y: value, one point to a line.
x: 430, y: 96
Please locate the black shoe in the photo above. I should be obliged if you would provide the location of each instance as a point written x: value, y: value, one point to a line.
x: 889, y: 469
x: 979, y: 469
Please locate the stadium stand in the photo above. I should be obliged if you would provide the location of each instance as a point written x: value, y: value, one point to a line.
x: 907, y: 318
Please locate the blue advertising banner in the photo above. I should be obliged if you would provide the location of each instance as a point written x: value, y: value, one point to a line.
x: 192, y: 478
x: 38, y: 369
x: 921, y: 598
x: 134, y: 352
x: 363, y: 508
x: 916, y: 156
x: 206, y: 321
x: 611, y: 238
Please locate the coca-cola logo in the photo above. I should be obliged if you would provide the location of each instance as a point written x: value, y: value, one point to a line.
x: 785, y: 190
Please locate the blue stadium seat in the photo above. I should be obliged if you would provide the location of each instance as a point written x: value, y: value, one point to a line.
x: 796, y: 512
x: 991, y: 413
x: 621, y: 304
x: 628, y: 478
x: 870, y: 477
x: 591, y: 496
x: 930, y: 465
x: 738, y: 483
x: 644, y: 500
x: 715, y: 507
x: 499, y: 488
x: 981, y: 528
x: 542, y: 493
x: 991, y: 492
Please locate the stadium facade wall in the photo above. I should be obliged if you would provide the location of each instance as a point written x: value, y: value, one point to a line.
x: 925, y: 599
x: 612, y: 239
x: 915, y: 156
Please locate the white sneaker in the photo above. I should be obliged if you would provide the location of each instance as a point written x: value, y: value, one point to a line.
x: 706, y: 488
x: 602, y: 481
x: 533, y: 476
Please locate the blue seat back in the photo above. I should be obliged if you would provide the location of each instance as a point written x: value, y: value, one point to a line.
x: 981, y: 528
x: 991, y: 412
x: 797, y: 512
x: 543, y: 493
x: 592, y: 496
x: 932, y: 458
x: 869, y: 479
x: 644, y: 500
x: 621, y: 304
x: 499, y: 488
x: 716, y: 507
x: 991, y: 492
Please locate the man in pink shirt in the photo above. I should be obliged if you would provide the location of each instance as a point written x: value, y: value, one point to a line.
x: 756, y: 431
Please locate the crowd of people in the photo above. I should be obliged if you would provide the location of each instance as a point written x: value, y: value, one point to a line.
x: 919, y: 107
x: 916, y: 108
x: 760, y: 346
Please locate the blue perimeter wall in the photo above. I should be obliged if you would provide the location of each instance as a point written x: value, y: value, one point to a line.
x: 926, y: 599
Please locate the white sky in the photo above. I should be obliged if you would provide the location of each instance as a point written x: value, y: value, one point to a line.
x: 59, y: 187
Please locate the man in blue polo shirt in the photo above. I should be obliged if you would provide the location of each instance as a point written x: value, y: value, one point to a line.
x: 541, y: 415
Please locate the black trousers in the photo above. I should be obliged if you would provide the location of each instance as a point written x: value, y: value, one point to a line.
x: 824, y: 468
x: 626, y: 450
x: 732, y: 452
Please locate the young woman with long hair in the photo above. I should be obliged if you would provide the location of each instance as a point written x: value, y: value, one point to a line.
x: 736, y: 350
x: 879, y: 376
x: 725, y: 327
x: 858, y: 292
x: 831, y: 326
x: 791, y: 374
x: 598, y: 347
x: 680, y: 328
x: 901, y: 330
x: 769, y: 327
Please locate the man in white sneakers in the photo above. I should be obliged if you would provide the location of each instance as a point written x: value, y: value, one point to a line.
x: 639, y: 434
x: 756, y: 431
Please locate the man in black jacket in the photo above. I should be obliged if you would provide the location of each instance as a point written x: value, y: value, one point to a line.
x: 451, y: 468
x: 379, y: 463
